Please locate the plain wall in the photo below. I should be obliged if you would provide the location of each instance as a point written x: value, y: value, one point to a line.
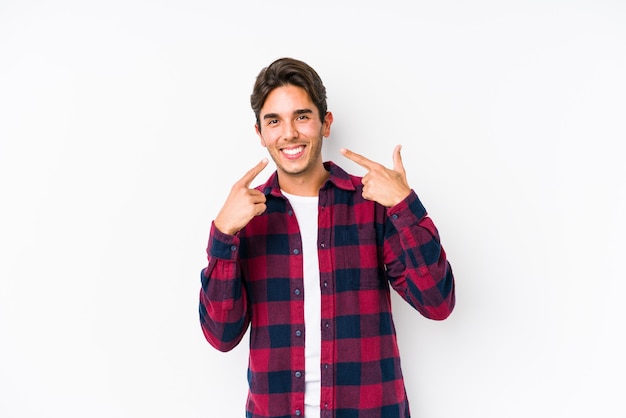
x: 123, y: 125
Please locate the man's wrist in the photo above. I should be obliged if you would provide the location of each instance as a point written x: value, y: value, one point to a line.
x: 224, y: 229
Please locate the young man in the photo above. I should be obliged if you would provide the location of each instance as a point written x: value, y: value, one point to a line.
x: 307, y: 260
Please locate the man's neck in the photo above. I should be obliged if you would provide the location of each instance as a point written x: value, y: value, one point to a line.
x: 305, y: 185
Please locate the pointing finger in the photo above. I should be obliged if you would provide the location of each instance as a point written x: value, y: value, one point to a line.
x: 357, y: 158
x: 253, y: 172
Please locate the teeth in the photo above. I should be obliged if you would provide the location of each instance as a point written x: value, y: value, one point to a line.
x: 293, y: 151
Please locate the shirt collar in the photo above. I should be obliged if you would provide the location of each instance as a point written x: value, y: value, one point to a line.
x: 338, y: 177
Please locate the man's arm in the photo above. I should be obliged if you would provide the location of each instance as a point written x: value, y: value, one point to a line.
x: 223, y: 300
x: 415, y: 261
x: 223, y: 307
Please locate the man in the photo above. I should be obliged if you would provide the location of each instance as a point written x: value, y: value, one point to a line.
x: 307, y: 260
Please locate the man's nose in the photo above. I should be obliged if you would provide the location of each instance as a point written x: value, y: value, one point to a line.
x: 290, y: 131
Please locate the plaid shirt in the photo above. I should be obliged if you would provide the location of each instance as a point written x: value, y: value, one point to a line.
x: 256, y: 277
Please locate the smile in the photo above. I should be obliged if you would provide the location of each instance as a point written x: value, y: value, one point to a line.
x: 293, y: 151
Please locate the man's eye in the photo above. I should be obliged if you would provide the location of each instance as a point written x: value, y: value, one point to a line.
x: 272, y: 121
x: 302, y: 117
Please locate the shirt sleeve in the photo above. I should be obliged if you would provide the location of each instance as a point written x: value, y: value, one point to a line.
x: 416, y: 263
x: 223, y: 300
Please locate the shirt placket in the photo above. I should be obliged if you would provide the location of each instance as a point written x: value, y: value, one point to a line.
x: 328, y: 305
x: 298, y: 354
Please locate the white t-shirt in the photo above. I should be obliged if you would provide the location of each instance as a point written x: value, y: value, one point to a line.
x: 306, y: 210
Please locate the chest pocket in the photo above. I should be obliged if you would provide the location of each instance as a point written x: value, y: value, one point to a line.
x: 356, y: 258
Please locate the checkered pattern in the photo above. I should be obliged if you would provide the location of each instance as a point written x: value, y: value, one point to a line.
x: 255, y: 278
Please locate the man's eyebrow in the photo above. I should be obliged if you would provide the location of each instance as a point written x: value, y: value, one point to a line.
x: 270, y: 116
x: 297, y: 112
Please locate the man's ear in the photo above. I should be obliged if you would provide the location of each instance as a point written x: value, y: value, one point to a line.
x: 328, y: 120
x: 258, y: 132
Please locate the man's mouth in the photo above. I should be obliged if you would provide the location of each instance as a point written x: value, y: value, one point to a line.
x: 293, y: 152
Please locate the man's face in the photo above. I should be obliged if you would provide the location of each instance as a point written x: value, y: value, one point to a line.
x: 291, y: 130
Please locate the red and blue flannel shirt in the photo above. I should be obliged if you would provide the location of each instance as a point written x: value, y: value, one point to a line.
x: 256, y: 278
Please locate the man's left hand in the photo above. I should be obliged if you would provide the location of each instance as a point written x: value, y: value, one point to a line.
x: 380, y: 184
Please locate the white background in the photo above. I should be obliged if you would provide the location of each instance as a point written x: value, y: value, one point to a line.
x: 123, y: 125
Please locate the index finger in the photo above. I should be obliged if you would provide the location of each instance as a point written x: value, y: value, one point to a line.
x: 253, y: 172
x: 358, y: 158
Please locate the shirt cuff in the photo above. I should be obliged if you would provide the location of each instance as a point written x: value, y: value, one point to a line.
x: 222, y: 245
x: 407, y: 212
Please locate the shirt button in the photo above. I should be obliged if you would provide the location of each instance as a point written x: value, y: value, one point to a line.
x: 296, y: 251
x: 323, y: 245
x: 394, y: 216
x: 297, y: 292
x: 325, y: 284
x: 290, y: 212
x: 298, y: 333
x: 298, y: 374
x: 233, y: 248
x: 298, y: 412
x: 327, y: 325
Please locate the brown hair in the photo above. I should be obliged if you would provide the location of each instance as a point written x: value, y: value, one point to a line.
x: 288, y: 71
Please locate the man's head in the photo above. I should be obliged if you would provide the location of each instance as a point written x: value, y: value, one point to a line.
x: 288, y: 71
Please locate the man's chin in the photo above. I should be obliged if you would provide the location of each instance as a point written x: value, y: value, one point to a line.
x: 293, y: 170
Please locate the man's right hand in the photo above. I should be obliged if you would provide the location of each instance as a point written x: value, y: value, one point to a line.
x: 242, y: 204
